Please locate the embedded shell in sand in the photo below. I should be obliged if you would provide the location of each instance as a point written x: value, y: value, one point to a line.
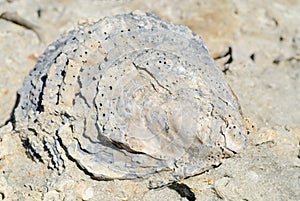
x: 127, y: 97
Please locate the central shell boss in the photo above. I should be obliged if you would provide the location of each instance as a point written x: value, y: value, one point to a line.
x: 127, y: 97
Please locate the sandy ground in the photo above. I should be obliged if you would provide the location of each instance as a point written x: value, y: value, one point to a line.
x: 256, y: 44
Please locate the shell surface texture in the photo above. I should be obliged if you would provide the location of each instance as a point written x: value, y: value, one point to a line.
x: 128, y: 97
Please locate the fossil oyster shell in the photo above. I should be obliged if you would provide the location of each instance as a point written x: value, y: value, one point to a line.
x: 127, y: 97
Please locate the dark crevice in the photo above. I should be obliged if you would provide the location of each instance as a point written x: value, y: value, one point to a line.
x: 50, y: 155
x: 97, y: 178
x: 153, y: 87
x: 72, y: 159
x: 281, y: 38
x: 83, y: 98
x: 229, y: 60
x: 30, y: 152
x: 84, y: 149
x: 39, y: 13
x: 79, y: 82
x: 54, y: 155
x: 275, y: 21
x: 228, y: 52
x: 85, y: 135
x: 58, y: 95
x: 63, y: 74
x: 226, y: 68
x: 102, y: 139
x: 40, y: 107
x: 12, y: 118
x: 128, y: 149
x: 55, y: 59
x: 276, y: 61
x: 80, y: 94
x: 252, y: 57
x: 216, y: 165
x: 223, y: 134
x: 183, y: 190
x: 151, y: 75
x: 223, y: 101
x: 212, y: 110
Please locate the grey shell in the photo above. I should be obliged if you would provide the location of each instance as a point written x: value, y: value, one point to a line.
x: 127, y: 97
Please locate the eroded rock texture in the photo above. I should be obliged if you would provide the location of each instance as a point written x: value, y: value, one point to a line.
x: 127, y: 97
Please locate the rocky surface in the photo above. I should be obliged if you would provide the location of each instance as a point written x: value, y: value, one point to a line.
x: 257, y: 46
